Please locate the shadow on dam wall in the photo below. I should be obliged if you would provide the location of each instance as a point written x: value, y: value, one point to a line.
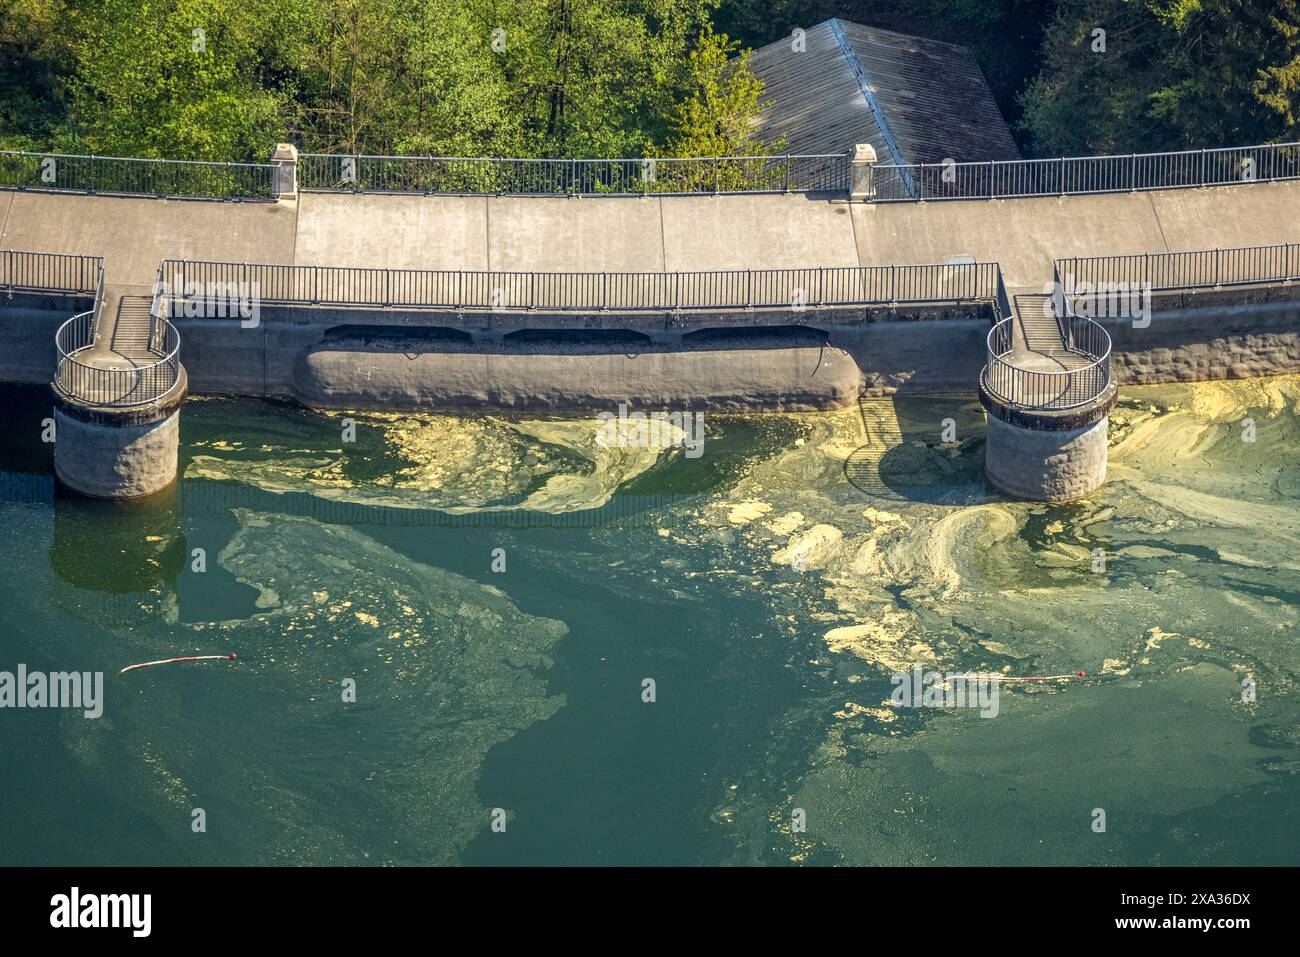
x: 583, y: 341
x: 723, y: 360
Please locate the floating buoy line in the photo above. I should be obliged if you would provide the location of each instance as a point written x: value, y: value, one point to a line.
x: 169, y: 661
x: 995, y: 676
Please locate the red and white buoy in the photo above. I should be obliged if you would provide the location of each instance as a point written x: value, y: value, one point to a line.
x: 168, y: 661
x: 995, y: 676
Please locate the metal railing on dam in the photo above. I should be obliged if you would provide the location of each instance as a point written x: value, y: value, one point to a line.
x: 111, y: 378
x: 809, y: 173
x: 632, y: 292
x: 1023, y: 376
x: 1025, y: 379
x: 116, y: 388
x: 1072, y: 175
x: 580, y: 177
x: 48, y: 272
x: 1066, y: 369
x: 1193, y: 269
x: 119, y: 175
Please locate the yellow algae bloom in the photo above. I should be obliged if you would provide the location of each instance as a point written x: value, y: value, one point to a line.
x: 852, y: 709
x: 742, y: 513
x: 881, y: 642
x: 786, y: 524
x: 814, y: 548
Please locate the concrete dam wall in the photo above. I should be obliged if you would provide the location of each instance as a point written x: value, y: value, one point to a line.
x: 433, y: 362
x: 426, y: 362
x: 815, y: 364
x: 362, y: 372
x: 815, y: 361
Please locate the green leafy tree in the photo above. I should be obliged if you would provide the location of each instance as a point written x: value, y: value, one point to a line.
x: 195, y: 79
x: 482, y: 77
x: 716, y: 119
x: 1173, y: 75
x: 35, y: 60
x: 717, y: 116
x: 596, y: 77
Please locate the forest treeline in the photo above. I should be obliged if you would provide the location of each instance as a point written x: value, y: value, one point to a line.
x: 226, y: 79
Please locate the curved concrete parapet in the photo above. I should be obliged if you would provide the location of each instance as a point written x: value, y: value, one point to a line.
x: 1047, y: 456
x: 371, y: 372
x: 118, y: 452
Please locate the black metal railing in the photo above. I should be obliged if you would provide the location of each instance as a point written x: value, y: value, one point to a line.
x: 22, y: 271
x: 95, y: 385
x: 1006, y: 179
x: 1194, y: 269
x: 1023, y: 376
x: 79, y: 376
x: 443, y: 174
x: 1008, y: 375
x: 181, y: 179
x: 827, y: 172
x: 652, y: 292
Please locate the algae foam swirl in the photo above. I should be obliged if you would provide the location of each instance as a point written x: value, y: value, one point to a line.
x: 457, y: 464
x: 444, y: 668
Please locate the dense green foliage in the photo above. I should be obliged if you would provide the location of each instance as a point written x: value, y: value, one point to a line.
x: 223, y: 79
x: 226, y: 79
x: 1174, y: 74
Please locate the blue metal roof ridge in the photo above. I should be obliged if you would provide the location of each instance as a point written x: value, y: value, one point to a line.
x: 864, y: 84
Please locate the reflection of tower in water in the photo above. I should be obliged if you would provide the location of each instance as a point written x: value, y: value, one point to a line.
x: 116, y: 562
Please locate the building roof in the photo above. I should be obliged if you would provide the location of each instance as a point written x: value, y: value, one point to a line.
x: 914, y: 100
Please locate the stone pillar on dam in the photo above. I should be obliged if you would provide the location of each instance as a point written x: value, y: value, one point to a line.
x: 862, y: 164
x: 1048, y: 409
x: 109, y: 452
x: 118, y: 392
x: 1047, y: 456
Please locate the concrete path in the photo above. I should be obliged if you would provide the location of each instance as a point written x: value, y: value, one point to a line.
x: 646, y: 234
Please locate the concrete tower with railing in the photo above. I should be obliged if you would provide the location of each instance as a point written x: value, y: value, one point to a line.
x: 118, y: 391
x: 1048, y: 391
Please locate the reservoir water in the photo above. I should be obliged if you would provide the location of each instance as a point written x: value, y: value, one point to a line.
x: 499, y: 589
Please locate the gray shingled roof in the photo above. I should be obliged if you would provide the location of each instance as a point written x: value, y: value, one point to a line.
x: 914, y: 100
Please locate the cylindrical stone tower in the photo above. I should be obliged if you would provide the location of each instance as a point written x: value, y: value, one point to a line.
x: 1048, y: 409
x: 109, y: 452
x: 117, y: 409
x: 1047, y: 456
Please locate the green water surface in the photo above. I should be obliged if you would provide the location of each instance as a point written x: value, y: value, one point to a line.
x: 769, y: 588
